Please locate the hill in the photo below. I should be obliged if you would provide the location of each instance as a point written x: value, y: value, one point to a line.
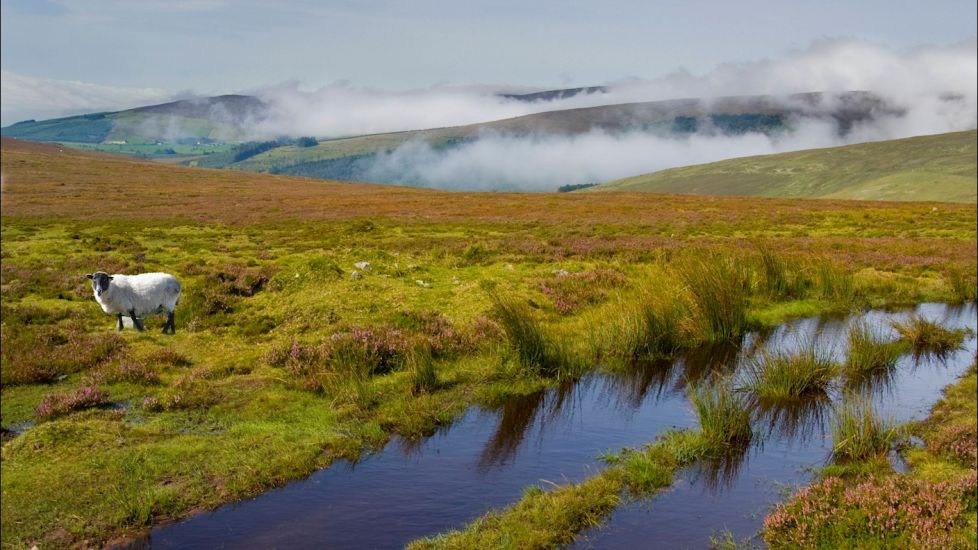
x: 191, y: 127
x: 352, y: 158
x: 934, y: 168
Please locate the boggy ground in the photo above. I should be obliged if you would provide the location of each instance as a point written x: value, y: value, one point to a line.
x: 284, y: 360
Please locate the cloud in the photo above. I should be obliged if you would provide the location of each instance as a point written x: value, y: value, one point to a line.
x: 925, y: 91
x: 902, y: 77
x: 23, y: 96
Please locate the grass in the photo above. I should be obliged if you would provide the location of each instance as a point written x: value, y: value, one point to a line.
x: 551, y: 519
x: 926, y: 168
x: 858, y: 434
x: 869, y: 353
x: 778, y: 377
x: 535, y: 349
x: 266, y: 264
x: 931, y: 506
x: 724, y: 415
x: 928, y: 337
x: 719, y: 289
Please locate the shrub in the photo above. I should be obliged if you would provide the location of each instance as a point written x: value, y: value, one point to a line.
x: 32, y: 355
x: 54, y: 405
x: 126, y: 370
x: 570, y: 292
x: 896, y: 511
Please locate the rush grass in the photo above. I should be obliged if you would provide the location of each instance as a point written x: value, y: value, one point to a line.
x: 267, y: 266
x: 777, y: 377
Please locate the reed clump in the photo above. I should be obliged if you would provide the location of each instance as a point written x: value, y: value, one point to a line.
x: 777, y: 377
x: 858, y: 433
x: 870, y: 353
x: 724, y: 415
x: 928, y: 337
x: 719, y: 292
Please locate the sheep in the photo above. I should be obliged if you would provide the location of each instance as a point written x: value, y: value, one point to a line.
x: 136, y: 295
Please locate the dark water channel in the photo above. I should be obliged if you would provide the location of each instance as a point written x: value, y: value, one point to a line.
x: 484, y: 460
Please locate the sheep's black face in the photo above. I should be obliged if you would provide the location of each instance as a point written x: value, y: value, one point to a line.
x: 100, y: 282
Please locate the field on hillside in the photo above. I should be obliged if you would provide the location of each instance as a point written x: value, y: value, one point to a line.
x: 288, y: 355
x: 940, y: 168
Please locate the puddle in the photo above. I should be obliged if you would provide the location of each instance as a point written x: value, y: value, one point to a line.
x: 418, y: 488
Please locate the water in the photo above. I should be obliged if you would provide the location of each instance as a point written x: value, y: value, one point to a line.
x: 484, y: 460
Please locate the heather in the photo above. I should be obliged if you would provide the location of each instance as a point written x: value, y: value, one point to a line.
x: 284, y: 361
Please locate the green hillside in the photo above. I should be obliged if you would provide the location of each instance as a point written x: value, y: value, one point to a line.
x: 927, y: 168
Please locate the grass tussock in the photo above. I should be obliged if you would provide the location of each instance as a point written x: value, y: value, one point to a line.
x: 724, y: 415
x: 719, y: 289
x: 963, y: 284
x: 870, y: 353
x: 858, y: 434
x: 648, y: 326
x: 928, y: 337
x: 536, y: 350
x: 424, y: 376
x: 780, y: 277
x: 777, y: 377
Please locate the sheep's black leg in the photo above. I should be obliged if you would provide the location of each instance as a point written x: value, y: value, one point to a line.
x: 135, y: 320
x: 169, y: 323
x: 120, y: 322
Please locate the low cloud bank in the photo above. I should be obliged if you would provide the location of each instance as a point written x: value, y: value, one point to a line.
x: 904, y: 78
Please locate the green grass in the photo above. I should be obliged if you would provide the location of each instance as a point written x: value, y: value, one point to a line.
x: 927, y: 168
x: 775, y: 377
x: 266, y: 265
x: 928, y: 337
x: 858, y: 434
x: 931, y: 506
x: 869, y: 353
x: 724, y: 415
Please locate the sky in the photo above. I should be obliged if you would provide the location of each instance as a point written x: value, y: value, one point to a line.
x: 61, y: 57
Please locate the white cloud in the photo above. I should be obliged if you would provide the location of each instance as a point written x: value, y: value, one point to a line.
x: 23, y: 96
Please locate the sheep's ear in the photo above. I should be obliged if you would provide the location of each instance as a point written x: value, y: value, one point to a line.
x: 110, y: 277
x: 90, y: 276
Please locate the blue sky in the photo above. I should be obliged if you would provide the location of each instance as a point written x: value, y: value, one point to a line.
x: 63, y: 56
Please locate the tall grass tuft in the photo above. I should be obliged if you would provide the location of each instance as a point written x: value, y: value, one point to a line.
x: 868, y: 353
x: 833, y: 283
x: 779, y: 279
x: 424, y: 377
x: 725, y: 415
x: 650, y: 327
x: 858, y: 434
x: 963, y: 285
x: 777, y: 377
x: 719, y: 290
x: 927, y: 336
x: 535, y: 350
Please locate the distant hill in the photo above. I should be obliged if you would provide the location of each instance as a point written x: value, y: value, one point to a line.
x: 351, y: 158
x: 927, y: 168
x: 192, y: 126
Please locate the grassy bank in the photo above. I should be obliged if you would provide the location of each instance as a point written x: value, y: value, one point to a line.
x: 289, y: 355
x: 931, y: 506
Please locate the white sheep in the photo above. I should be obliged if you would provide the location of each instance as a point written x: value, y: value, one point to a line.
x: 137, y: 295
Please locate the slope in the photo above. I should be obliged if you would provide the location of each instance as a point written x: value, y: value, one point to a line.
x: 939, y: 168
